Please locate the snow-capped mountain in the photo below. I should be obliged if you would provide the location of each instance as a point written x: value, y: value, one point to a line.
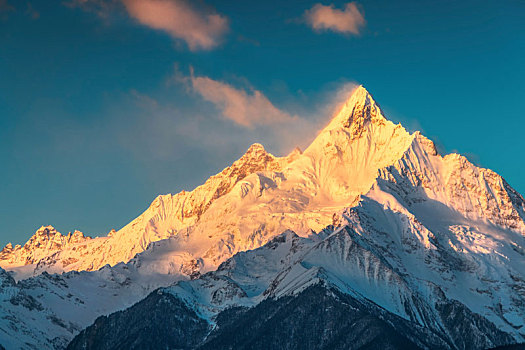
x: 415, y: 239
x: 257, y: 196
x: 261, y: 195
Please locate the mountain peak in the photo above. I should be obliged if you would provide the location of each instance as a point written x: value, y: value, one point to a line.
x: 46, y: 230
x: 358, y: 110
x: 254, y: 148
x: 357, y: 142
x: 255, y: 154
x: 360, y: 92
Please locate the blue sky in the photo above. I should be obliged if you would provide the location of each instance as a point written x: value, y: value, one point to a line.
x: 105, y: 104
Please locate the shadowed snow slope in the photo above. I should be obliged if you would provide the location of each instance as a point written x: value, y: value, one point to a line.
x: 417, y: 233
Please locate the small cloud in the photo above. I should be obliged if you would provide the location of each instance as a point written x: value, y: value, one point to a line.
x: 199, y: 29
x: 244, y: 107
x: 347, y: 21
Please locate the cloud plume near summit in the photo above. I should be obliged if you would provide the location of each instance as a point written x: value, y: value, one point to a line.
x: 245, y: 107
x: 257, y: 117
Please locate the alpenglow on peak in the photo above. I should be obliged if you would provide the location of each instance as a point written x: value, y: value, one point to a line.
x: 359, y: 109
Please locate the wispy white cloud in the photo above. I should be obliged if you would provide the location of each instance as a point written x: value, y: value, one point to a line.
x: 281, y: 129
x: 247, y: 108
x: 170, y: 126
x: 201, y: 29
x: 347, y: 21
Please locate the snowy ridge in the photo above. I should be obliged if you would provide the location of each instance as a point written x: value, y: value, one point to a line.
x: 167, y: 216
x: 290, y: 264
x: 476, y: 193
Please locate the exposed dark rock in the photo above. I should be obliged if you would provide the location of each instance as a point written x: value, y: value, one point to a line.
x: 318, y: 318
x: 470, y: 330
